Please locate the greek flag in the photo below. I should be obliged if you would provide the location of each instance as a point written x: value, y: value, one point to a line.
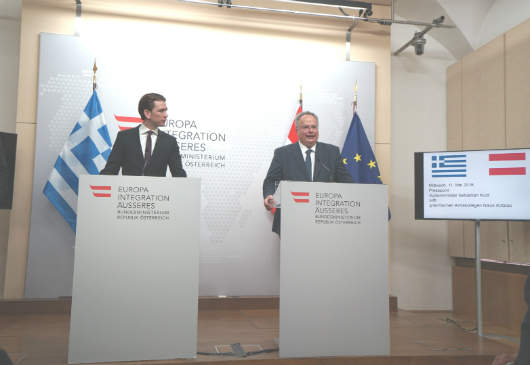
x: 449, y: 166
x: 85, y: 152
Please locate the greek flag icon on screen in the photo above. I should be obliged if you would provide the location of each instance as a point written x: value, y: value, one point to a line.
x: 449, y: 165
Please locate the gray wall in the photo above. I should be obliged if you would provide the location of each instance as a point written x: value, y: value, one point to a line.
x: 9, y: 44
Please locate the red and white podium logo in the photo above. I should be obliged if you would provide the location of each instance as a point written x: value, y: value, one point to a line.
x: 300, y: 197
x: 101, y: 191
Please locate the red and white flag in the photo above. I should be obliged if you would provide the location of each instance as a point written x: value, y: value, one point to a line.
x: 292, y: 137
x: 507, y: 163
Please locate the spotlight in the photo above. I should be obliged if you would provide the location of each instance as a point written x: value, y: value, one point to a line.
x: 417, y: 40
x: 419, y: 44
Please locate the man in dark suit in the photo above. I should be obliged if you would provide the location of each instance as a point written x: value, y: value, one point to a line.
x: 146, y: 150
x: 523, y: 358
x: 305, y: 160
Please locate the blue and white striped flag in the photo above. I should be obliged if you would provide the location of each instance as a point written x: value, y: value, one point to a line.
x: 85, y: 152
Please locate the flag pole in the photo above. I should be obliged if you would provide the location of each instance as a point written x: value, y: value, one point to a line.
x: 355, y: 97
x: 95, y: 69
x: 300, y: 99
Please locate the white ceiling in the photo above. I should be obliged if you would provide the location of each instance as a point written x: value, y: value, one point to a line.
x: 474, y: 19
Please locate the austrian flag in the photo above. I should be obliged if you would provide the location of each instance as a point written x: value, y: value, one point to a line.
x: 300, y: 197
x: 103, y: 191
x: 507, y: 163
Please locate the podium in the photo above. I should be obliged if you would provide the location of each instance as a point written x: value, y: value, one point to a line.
x: 135, y: 287
x: 334, y: 270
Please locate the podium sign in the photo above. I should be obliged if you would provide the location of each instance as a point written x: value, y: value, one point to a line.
x: 334, y: 270
x: 135, y: 285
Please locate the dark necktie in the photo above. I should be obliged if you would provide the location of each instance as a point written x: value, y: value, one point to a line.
x: 308, y: 165
x: 148, y: 148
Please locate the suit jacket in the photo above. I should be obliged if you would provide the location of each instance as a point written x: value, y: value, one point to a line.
x: 523, y: 358
x: 289, y: 164
x: 127, y: 154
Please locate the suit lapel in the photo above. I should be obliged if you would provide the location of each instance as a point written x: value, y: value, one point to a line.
x: 318, y: 168
x: 139, y: 152
x: 322, y: 171
x: 299, y: 160
x: 159, y: 142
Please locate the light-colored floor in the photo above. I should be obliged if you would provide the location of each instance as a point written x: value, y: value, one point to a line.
x: 43, y: 338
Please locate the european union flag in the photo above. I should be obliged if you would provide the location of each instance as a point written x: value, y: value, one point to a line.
x: 357, y: 155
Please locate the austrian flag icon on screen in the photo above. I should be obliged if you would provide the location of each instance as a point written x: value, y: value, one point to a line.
x: 101, y: 191
x: 300, y: 197
x: 507, y: 163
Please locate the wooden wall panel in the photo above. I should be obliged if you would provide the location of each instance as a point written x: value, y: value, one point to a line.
x: 519, y: 241
x: 493, y: 240
x: 503, y: 302
x: 455, y: 236
x: 495, y: 104
x: 518, y: 86
x: 503, y: 298
x: 517, y: 56
x: 464, y: 291
x: 483, y: 116
x: 468, y: 237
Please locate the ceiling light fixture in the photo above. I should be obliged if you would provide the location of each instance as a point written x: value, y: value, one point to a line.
x: 418, y: 41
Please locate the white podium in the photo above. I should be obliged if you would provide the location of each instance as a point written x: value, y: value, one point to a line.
x: 135, y: 285
x: 334, y: 270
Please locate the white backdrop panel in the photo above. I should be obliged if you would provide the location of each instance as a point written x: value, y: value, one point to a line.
x: 228, y: 114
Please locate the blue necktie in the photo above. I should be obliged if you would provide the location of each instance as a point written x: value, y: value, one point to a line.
x: 308, y: 165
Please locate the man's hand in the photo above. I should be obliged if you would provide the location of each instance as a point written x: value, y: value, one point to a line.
x: 269, y: 202
x: 503, y: 359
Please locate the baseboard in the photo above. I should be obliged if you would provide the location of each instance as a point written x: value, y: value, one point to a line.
x: 63, y: 304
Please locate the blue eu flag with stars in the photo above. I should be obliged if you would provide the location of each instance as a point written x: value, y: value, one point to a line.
x: 358, y: 156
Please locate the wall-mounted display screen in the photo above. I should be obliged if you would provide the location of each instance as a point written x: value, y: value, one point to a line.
x: 473, y: 185
x: 8, y: 147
